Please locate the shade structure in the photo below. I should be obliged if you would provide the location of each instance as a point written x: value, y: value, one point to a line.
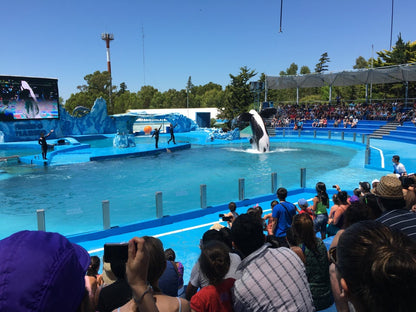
x: 379, y: 75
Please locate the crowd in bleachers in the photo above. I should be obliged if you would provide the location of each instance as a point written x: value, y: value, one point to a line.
x: 343, y: 115
x: 256, y: 262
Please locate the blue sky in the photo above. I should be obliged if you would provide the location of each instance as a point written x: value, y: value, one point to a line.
x: 207, y: 40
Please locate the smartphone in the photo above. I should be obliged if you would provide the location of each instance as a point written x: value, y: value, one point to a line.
x: 334, y: 186
x: 116, y: 252
x: 227, y: 218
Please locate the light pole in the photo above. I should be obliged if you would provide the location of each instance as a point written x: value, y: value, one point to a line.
x: 107, y: 38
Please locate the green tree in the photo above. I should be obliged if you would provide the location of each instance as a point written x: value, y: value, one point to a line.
x: 146, y: 95
x: 97, y: 85
x: 323, y: 63
x: 401, y: 53
x: 360, y: 63
x: 238, y: 96
x: 123, y: 88
x: 212, y: 98
x: 189, y: 87
x: 292, y: 70
x: 305, y: 70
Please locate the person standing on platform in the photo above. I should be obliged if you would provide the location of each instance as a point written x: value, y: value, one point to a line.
x: 398, y: 166
x: 156, y: 135
x: 172, y: 136
x: 44, y: 145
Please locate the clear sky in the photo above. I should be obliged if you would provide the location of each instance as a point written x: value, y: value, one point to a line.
x: 207, y: 40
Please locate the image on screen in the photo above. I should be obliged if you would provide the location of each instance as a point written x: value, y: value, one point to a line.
x: 28, y: 98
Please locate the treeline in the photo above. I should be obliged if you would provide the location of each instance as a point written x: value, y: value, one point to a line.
x: 237, y: 96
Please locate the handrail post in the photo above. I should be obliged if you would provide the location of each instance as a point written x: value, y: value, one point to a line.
x: 241, y: 187
x: 159, y: 205
x: 314, y: 134
x: 302, y: 177
x: 329, y: 134
x: 41, y: 219
x: 342, y: 135
x: 203, y: 195
x: 367, y: 156
x: 354, y: 136
x: 274, y: 182
x: 106, y: 214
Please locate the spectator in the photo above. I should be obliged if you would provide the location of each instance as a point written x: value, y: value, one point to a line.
x: 374, y: 183
x: 268, y: 219
x: 317, y: 264
x: 116, y: 294
x: 399, y: 168
x: 42, y: 271
x: 108, y: 277
x: 137, y: 267
x: 198, y: 279
x: 215, y: 263
x: 169, y: 281
x: 157, y: 265
x: 365, y: 188
x: 171, y: 256
x: 291, y: 240
x: 391, y: 202
x: 356, y: 212
x: 376, y: 268
x: 319, y: 207
x: 303, y: 205
x: 282, y: 215
x: 408, y: 191
x: 91, y: 279
x: 270, y: 278
x: 336, y: 214
x: 233, y: 214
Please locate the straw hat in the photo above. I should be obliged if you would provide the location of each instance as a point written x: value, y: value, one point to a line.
x: 389, y: 187
x: 108, y: 275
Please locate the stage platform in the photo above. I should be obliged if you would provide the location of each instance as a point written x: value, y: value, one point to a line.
x: 74, y: 152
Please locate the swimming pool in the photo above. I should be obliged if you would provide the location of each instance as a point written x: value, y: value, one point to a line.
x: 72, y: 194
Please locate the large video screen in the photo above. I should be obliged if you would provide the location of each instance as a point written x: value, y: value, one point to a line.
x: 24, y: 98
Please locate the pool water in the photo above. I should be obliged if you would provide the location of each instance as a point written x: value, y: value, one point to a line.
x: 72, y: 194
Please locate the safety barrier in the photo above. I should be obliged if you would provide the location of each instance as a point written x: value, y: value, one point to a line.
x: 159, y: 200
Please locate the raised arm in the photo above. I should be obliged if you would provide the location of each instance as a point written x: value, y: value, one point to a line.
x: 136, y: 270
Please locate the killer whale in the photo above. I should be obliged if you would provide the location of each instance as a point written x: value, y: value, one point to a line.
x: 260, y: 139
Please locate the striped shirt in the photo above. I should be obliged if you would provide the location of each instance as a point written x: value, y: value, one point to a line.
x: 400, y: 219
x: 272, y: 279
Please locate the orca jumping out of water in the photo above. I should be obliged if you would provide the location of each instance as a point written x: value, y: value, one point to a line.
x: 260, y: 139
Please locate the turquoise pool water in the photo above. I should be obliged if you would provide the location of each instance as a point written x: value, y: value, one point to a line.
x: 72, y: 194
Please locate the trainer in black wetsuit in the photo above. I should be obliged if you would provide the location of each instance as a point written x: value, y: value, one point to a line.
x: 156, y: 135
x: 172, y: 136
x: 44, y: 145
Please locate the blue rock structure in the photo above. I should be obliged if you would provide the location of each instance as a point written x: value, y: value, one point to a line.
x: 181, y: 122
x: 98, y: 122
x: 217, y: 133
x: 122, y: 140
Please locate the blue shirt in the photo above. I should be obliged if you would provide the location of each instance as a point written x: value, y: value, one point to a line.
x: 284, y: 213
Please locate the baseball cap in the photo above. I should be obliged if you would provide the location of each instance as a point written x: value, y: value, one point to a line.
x: 302, y: 202
x: 354, y: 198
x: 41, y: 271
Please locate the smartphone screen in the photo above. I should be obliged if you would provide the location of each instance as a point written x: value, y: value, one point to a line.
x: 116, y: 252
